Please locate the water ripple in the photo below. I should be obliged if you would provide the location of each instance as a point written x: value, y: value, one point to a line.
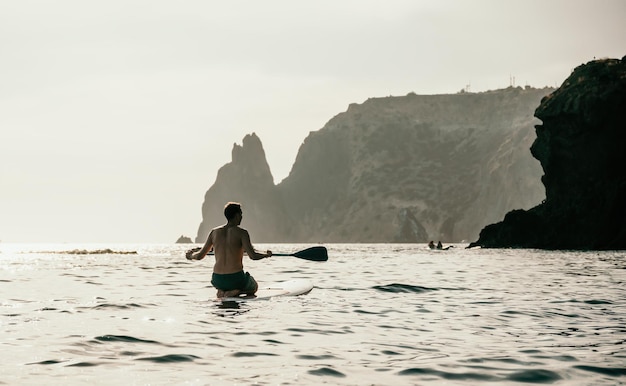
x: 247, y: 354
x: 610, y: 371
x: 327, y: 372
x: 403, y: 288
x: 48, y: 362
x: 448, y: 375
x: 534, y: 376
x: 123, y: 338
x: 108, y: 306
x: 171, y: 358
x: 316, y: 357
x: 83, y: 364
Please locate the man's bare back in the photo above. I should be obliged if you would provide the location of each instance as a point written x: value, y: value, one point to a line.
x: 228, y: 247
x: 229, y: 242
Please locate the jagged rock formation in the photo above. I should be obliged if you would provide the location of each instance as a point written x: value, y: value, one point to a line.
x: 582, y: 149
x: 395, y: 169
x: 246, y: 179
x: 184, y: 240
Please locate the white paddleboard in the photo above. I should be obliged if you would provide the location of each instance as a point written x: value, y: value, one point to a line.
x: 293, y: 287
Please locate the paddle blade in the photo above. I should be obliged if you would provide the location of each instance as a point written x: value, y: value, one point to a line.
x: 313, y: 254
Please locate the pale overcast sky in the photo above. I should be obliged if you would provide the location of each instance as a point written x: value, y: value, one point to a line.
x: 116, y: 115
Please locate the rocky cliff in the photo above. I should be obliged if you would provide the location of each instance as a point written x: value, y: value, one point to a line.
x: 246, y: 179
x: 582, y: 148
x: 395, y: 169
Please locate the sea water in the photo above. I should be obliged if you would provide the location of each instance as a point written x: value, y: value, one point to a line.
x: 383, y: 314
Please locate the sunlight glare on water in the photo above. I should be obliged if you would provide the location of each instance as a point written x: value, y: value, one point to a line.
x: 379, y: 314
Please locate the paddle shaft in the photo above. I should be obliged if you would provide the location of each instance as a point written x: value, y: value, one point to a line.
x: 318, y: 253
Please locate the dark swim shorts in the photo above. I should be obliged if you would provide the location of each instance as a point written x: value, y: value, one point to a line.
x: 234, y: 281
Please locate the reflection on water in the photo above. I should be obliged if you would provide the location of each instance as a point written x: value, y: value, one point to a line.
x: 379, y: 314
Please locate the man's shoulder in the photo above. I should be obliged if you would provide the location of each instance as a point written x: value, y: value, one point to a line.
x: 235, y: 228
x: 220, y: 227
x: 240, y: 229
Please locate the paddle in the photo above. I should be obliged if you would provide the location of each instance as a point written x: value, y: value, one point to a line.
x: 314, y: 254
x: 318, y: 253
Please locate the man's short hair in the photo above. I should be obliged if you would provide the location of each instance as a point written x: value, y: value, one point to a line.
x: 231, y: 209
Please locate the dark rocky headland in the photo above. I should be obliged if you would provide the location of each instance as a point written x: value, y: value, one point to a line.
x: 582, y: 149
x: 394, y: 169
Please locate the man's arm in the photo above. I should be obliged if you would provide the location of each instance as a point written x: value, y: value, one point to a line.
x: 247, y: 246
x: 199, y: 253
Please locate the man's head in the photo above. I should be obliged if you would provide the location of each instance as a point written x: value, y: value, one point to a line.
x: 231, y: 210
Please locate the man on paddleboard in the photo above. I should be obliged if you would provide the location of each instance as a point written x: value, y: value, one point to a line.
x: 229, y: 242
